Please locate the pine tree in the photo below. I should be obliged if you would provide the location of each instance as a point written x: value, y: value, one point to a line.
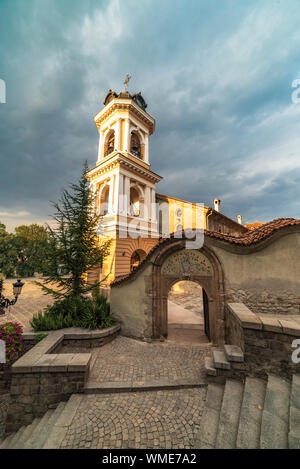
x: 73, y: 242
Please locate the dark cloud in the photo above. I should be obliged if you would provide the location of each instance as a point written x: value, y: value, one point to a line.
x: 217, y: 77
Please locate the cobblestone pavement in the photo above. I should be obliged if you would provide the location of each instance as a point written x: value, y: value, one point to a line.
x: 149, y: 420
x: 125, y: 359
x: 31, y: 301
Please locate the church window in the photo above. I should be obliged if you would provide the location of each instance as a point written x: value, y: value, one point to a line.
x: 135, y: 145
x: 110, y: 143
x: 104, y: 201
x: 134, y: 202
x: 136, y: 258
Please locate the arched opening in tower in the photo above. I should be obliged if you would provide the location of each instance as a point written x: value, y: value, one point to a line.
x: 135, y: 145
x: 134, y: 202
x: 137, y: 257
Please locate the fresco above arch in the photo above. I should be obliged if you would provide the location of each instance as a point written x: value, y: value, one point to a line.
x: 187, y: 262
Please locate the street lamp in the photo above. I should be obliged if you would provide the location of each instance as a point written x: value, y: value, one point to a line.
x: 5, y: 302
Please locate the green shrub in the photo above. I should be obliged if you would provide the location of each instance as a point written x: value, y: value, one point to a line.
x: 78, y: 311
x: 39, y: 336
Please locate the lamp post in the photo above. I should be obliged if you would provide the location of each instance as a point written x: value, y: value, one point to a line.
x: 5, y: 302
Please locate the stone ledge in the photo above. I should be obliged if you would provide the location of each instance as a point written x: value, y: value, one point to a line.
x: 246, y: 318
x: 250, y: 320
x: 42, y: 359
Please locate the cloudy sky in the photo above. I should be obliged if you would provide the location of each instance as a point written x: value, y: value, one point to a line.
x: 217, y: 76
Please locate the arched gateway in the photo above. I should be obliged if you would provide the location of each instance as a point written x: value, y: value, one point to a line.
x: 173, y: 263
x: 140, y: 300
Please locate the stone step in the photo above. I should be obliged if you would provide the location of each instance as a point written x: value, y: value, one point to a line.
x: 6, y: 441
x: 275, y: 418
x: 294, y: 427
x: 207, y: 434
x: 47, y: 427
x: 59, y: 429
x: 220, y: 360
x: 251, y: 414
x: 16, y: 437
x: 31, y: 441
x: 234, y: 353
x: 209, y: 366
x: 26, y: 434
x: 229, y: 415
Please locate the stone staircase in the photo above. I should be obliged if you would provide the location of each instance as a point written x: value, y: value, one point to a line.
x: 253, y: 414
x: 45, y: 432
x: 225, y: 362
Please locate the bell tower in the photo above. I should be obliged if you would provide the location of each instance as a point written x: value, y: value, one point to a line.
x: 122, y: 181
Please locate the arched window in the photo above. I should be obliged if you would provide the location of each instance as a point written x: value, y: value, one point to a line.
x: 136, y: 258
x: 104, y: 201
x: 109, y: 143
x: 134, y: 202
x: 135, y: 145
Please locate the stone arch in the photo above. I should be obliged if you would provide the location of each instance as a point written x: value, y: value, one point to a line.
x: 140, y: 254
x: 209, y: 275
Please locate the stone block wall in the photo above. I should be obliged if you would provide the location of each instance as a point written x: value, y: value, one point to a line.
x: 32, y: 394
x: 266, y: 342
x: 46, y: 374
x: 265, y: 302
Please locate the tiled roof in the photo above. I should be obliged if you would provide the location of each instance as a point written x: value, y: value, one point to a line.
x: 249, y: 238
x: 253, y: 226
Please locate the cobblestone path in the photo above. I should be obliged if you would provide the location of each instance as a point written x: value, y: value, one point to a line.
x: 150, y: 420
x: 127, y: 359
x: 31, y: 301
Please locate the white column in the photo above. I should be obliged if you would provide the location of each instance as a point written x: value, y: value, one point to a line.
x: 121, y: 194
x: 110, y: 197
x: 153, y: 206
x: 146, y: 150
x: 100, y: 146
x: 118, y: 135
x: 127, y: 135
x: 126, y: 195
x: 147, y: 209
x: 116, y: 193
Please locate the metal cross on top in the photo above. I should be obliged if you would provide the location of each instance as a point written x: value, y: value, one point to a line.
x: 128, y: 77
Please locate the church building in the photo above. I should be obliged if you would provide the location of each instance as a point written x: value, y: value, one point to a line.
x: 134, y: 214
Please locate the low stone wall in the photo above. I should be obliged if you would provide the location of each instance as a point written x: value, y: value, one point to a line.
x: 265, y: 341
x: 43, y: 377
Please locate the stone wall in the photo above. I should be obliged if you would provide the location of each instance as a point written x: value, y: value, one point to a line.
x: 43, y: 376
x: 129, y: 304
x: 266, y: 302
x: 266, y: 342
x: 32, y: 394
